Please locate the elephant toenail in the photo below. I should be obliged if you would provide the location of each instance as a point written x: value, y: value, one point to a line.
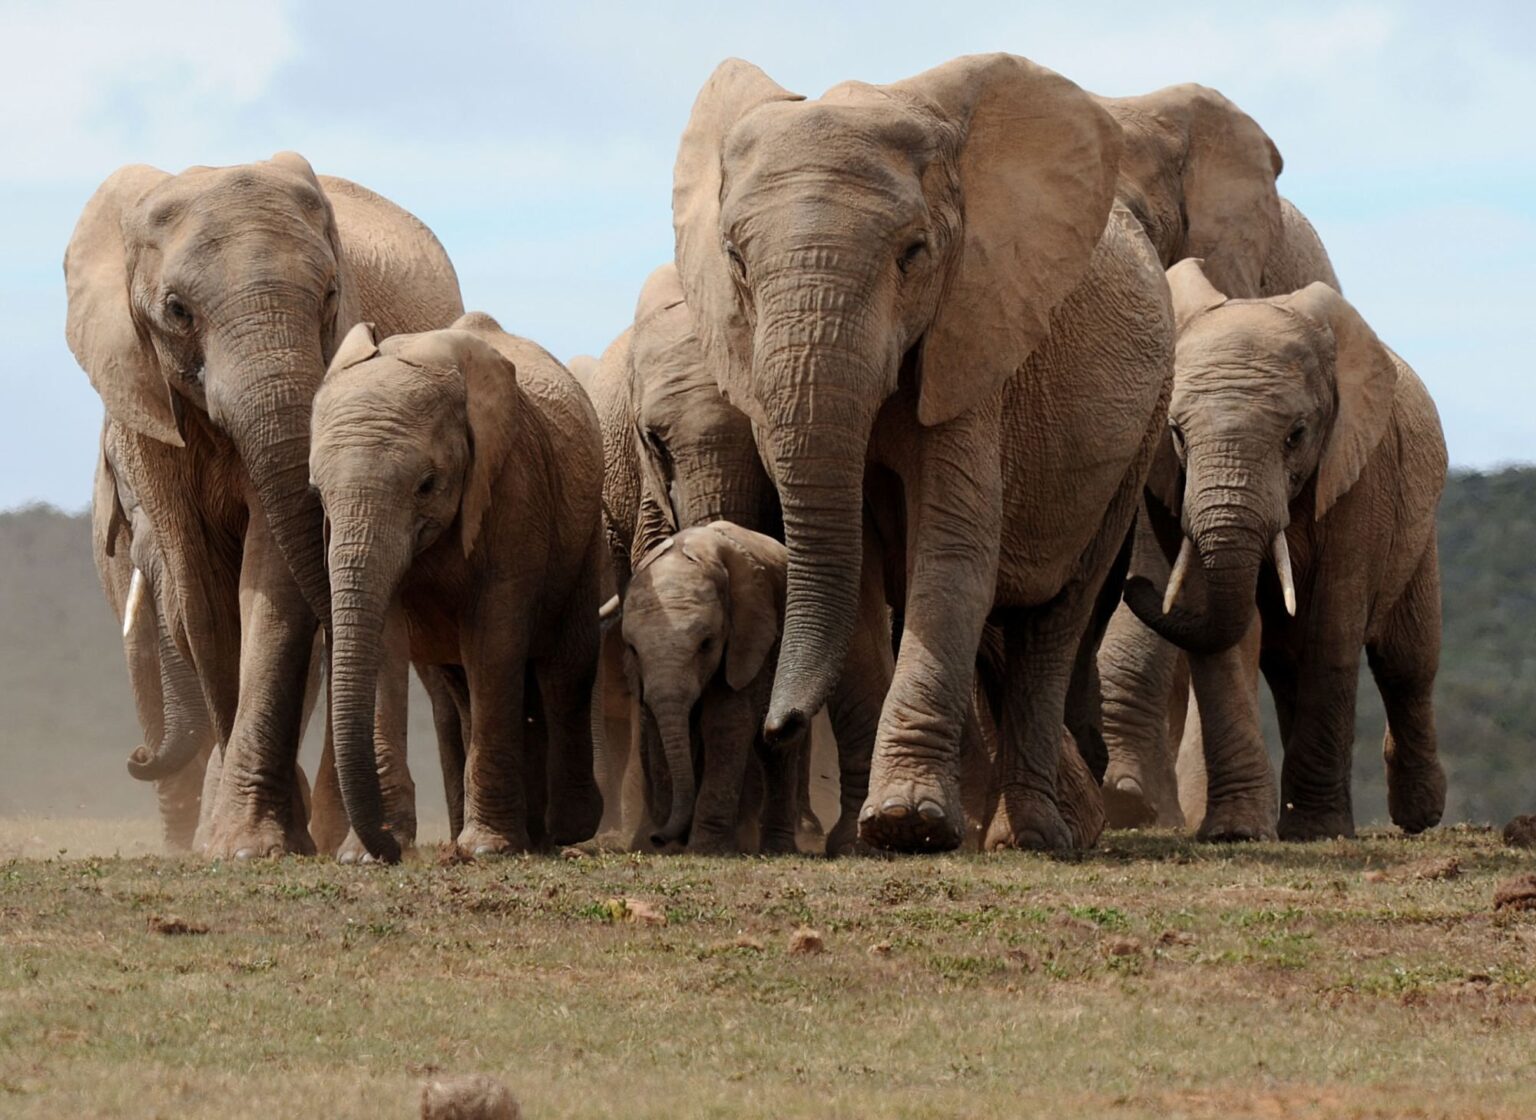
x: 931, y: 811
x: 896, y: 808
x: 867, y: 813
x: 347, y: 857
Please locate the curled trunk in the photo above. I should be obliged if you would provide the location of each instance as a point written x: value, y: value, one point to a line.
x: 185, y: 728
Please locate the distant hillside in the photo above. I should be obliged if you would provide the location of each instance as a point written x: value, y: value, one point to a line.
x: 69, y: 719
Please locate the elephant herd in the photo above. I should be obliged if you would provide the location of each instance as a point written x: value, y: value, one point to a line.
x: 1017, y: 428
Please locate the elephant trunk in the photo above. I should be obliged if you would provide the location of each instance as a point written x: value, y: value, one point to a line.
x: 672, y: 724
x: 1229, y: 541
x: 185, y: 727
x: 367, y: 561
x: 264, y: 368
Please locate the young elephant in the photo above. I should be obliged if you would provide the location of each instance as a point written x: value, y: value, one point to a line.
x: 460, y: 472
x: 1307, y: 464
x: 702, y: 619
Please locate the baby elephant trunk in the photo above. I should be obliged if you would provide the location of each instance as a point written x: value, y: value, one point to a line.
x: 677, y: 743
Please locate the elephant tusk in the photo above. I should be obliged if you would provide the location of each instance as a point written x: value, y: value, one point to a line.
x: 608, y: 609
x: 135, y: 597
x: 1282, y: 553
x: 1180, y: 570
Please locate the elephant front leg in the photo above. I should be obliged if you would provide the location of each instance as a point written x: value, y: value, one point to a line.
x: 1137, y: 671
x: 954, y: 503
x: 1239, y: 783
x: 495, y: 802
x: 257, y: 811
x: 566, y: 679
x: 180, y: 796
x: 728, y: 724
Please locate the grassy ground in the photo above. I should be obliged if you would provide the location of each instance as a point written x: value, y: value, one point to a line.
x: 1154, y: 978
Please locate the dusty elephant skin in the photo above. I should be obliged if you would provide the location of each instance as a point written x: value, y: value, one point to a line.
x: 204, y: 307
x: 459, y: 471
x: 896, y: 284
x: 1303, y: 467
x: 701, y: 625
x: 1200, y: 176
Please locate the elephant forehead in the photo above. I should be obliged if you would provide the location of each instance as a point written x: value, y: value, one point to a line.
x: 867, y: 135
x: 223, y: 192
x: 1250, y: 333
x: 439, y: 350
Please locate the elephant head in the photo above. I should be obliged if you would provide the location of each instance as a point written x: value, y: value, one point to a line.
x: 1199, y: 174
x: 915, y: 236
x: 224, y: 290
x: 409, y: 435
x: 704, y: 606
x: 1277, y: 405
x: 695, y: 450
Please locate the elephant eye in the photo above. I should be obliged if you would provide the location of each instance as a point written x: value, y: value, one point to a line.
x: 706, y: 645
x: 427, y: 484
x: 1297, y: 434
x: 910, y: 255
x: 177, y: 311
x: 738, y: 265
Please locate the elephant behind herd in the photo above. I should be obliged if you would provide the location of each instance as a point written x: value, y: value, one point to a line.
x: 912, y: 367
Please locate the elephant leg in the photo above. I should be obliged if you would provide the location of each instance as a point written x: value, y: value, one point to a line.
x: 328, y: 817
x: 391, y: 713
x: 536, y: 764
x: 495, y: 806
x: 728, y: 725
x: 213, y: 773
x: 448, y: 720
x: 1314, y: 779
x: 781, y: 796
x: 1085, y: 697
x: 1189, y: 761
x: 255, y: 813
x: 1077, y: 794
x: 610, y: 728
x: 1404, y: 663
x: 1239, y: 783
x: 809, y: 824
x: 566, y: 680
x: 180, y: 797
x: 1137, y: 670
x: 954, y: 503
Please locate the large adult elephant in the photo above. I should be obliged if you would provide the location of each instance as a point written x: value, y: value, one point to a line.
x: 925, y: 299
x: 1200, y: 176
x: 204, y: 307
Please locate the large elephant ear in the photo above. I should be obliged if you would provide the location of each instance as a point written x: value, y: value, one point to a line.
x: 1230, y: 201
x: 108, y: 342
x: 732, y: 91
x: 663, y: 288
x: 1192, y: 292
x: 755, y: 566
x: 1038, y: 159
x: 359, y: 345
x: 1365, y: 379
x: 490, y: 395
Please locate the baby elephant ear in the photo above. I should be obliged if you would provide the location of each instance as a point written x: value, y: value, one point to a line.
x: 755, y: 567
x: 1193, y: 294
x: 1365, y: 379
x: 357, y: 347
x: 490, y: 392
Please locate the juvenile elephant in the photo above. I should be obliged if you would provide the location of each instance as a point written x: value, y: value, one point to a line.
x: 204, y: 307
x: 1305, y: 465
x: 1200, y: 176
x: 460, y: 473
x: 701, y: 626
x: 925, y: 299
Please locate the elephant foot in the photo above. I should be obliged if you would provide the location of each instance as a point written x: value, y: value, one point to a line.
x: 1236, y: 820
x: 779, y: 843
x: 479, y: 841
x: 1328, y: 824
x: 844, y: 840
x: 912, y: 816
x: 1126, y: 804
x: 574, y: 816
x: 1028, y: 820
x: 259, y: 839
x: 1416, y: 795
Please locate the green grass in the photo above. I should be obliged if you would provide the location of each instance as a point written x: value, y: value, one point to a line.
x: 1153, y: 978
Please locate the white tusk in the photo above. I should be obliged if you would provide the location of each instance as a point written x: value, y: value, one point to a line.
x: 608, y: 609
x: 1180, y: 570
x: 1283, y: 569
x: 135, y: 597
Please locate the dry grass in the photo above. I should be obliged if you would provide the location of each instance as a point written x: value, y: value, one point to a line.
x: 1154, y: 978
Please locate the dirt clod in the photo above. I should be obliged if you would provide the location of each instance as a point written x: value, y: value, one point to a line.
x: 1123, y: 947
x: 472, y: 1096
x: 643, y: 913
x: 1521, y: 832
x: 1175, y: 937
x: 806, y: 941
x: 172, y: 926
x: 1517, y: 893
x: 1434, y: 869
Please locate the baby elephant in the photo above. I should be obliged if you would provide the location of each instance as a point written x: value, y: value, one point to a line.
x: 1304, y: 465
x: 460, y: 472
x: 701, y: 626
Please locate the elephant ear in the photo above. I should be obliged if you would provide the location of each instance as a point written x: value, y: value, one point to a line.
x: 107, y: 340
x: 732, y: 91
x: 1192, y: 292
x: 490, y: 396
x: 1365, y: 380
x: 1037, y: 163
x: 1231, y: 206
x: 358, y: 346
x: 663, y: 288
x: 108, y: 518
x: 755, y: 567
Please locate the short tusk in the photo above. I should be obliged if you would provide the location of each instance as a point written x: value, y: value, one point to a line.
x: 608, y: 609
x: 1180, y: 570
x: 135, y: 597
x: 1283, y: 569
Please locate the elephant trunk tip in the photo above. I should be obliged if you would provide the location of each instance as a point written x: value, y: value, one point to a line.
x: 785, y: 724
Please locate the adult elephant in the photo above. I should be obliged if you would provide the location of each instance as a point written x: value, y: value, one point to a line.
x: 204, y: 307
x: 924, y: 297
x: 1200, y: 176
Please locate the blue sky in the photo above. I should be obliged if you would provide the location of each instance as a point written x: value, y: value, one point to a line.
x: 538, y: 145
